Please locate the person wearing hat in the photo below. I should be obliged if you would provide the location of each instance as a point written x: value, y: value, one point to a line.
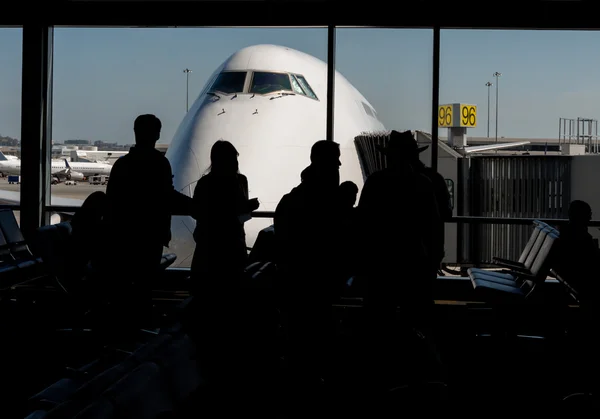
x: 404, y: 146
x: 398, y: 218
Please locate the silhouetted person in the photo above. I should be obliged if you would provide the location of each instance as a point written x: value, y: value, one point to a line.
x: 398, y: 236
x: 576, y: 253
x: 306, y: 226
x: 348, y: 193
x: 576, y: 258
x: 410, y: 151
x: 140, y: 201
x: 87, y: 226
x: 220, y: 203
x: 348, y: 251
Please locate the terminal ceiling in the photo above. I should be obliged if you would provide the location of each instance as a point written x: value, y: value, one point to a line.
x: 532, y: 14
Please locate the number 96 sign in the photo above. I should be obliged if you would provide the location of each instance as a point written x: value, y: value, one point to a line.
x: 457, y: 115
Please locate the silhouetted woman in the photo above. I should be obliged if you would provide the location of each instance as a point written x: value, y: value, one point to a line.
x: 220, y: 202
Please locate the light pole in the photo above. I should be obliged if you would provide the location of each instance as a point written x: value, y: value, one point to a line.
x: 488, y: 84
x: 187, y: 72
x: 497, y: 75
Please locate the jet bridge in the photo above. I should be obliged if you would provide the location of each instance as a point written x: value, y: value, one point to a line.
x: 487, y: 185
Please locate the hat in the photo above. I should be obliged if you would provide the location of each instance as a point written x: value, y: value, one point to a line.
x: 401, y: 143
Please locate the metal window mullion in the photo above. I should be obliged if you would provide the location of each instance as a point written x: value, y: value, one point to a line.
x: 435, y: 97
x: 330, y: 81
x: 35, y: 125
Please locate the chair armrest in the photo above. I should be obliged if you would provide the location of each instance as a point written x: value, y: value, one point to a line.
x: 526, y: 276
x: 506, y: 263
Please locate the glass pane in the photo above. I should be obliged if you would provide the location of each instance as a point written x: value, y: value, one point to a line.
x: 105, y: 77
x: 296, y: 86
x: 526, y: 100
x: 306, y: 86
x: 11, y: 46
x: 393, y: 94
x: 229, y: 82
x: 264, y: 83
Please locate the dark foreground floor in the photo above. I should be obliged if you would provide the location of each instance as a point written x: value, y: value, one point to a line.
x: 252, y: 376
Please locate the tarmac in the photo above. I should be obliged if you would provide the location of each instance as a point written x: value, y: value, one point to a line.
x: 80, y: 191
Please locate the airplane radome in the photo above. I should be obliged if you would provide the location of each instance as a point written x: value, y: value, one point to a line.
x: 270, y: 102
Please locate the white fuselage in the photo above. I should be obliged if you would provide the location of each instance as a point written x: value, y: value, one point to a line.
x: 272, y: 132
x: 13, y: 167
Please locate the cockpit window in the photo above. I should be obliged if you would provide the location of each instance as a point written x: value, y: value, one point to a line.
x: 229, y: 82
x: 264, y: 83
x: 305, y: 86
x: 296, y: 86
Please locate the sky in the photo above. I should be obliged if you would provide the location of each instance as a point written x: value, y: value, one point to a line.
x: 105, y: 77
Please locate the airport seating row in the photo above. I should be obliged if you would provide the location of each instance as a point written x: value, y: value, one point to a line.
x: 52, y: 244
x: 18, y: 265
x: 156, y: 379
x: 523, y: 277
x: 50, y: 256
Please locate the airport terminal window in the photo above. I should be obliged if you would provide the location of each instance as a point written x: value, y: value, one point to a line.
x: 305, y: 86
x: 230, y: 82
x: 11, y: 45
x: 264, y: 83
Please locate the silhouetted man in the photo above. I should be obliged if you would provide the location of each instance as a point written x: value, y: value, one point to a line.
x: 410, y: 151
x: 576, y: 253
x: 398, y: 217
x: 306, y: 227
x: 141, y: 199
x: 575, y: 257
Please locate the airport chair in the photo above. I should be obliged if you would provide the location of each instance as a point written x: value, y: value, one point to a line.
x: 167, y: 260
x: 38, y: 414
x: 140, y: 394
x: 10, y: 274
x: 78, y: 392
x: 179, y: 368
x: 72, y: 394
x: 51, y: 246
x: 99, y: 409
x: 572, y: 291
x: 517, y: 284
x: 10, y: 228
x: 530, y: 247
x: 533, y: 253
x: 535, y: 262
x: 521, y: 263
x: 29, y: 266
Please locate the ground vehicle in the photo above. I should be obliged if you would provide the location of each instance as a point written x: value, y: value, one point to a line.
x: 98, y: 180
x: 14, y: 179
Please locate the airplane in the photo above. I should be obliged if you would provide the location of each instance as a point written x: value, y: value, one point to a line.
x: 270, y: 102
x: 60, y: 170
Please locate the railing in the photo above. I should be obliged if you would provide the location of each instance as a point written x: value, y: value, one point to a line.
x: 460, y: 219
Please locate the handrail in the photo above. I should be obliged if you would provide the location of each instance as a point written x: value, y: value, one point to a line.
x: 458, y: 219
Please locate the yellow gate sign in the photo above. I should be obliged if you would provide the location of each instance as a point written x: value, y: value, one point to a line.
x: 445, y: 116
x: 457, y: 115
